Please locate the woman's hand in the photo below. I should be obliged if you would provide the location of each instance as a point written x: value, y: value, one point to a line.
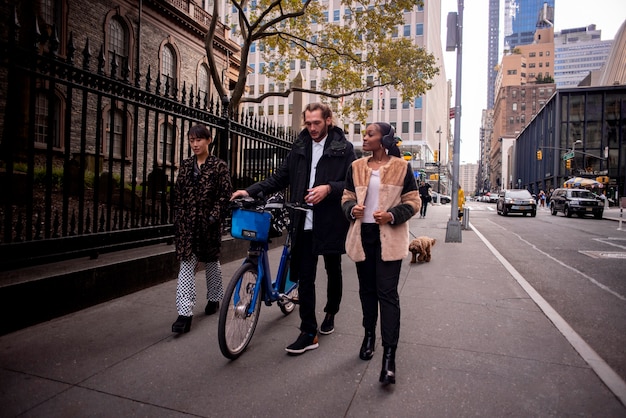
x: 382, y: 217
x: 358, y: 211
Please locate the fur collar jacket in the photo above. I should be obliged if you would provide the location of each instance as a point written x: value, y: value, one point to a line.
x: 397, y: 194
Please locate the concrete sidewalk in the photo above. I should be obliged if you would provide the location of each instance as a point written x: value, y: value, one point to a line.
x: 473, y: 343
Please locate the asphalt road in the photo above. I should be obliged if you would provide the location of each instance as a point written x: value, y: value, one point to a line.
x: 578, y: 265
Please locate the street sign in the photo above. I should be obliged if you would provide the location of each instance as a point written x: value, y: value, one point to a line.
x: 568, y: 155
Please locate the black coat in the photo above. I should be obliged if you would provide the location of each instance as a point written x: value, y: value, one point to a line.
x: 329, y: 224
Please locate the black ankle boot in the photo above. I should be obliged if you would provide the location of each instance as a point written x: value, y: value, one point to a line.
x: 211, y: 307
x: 388, y: 372
x: 182, y: 324
x: 367, y: 347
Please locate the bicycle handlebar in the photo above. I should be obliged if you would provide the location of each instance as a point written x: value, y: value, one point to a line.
x: 260, y: 204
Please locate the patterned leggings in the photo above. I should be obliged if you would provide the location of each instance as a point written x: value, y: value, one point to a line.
x: 186, y: 288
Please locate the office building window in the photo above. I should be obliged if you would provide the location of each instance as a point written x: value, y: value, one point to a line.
x: 418, y: 127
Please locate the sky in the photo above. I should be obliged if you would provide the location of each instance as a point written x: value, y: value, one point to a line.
x: 607, y: 15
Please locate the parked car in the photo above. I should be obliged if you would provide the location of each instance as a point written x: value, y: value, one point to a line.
x: 516, y: 201
x: 493, y: 198
x: 579, y: 201
x: 444, y: 198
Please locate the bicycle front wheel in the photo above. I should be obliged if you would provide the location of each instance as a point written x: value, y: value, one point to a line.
x: 237, y: 323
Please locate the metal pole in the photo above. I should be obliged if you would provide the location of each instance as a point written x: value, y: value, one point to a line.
x: 439, y: 163
x: 453, y: 232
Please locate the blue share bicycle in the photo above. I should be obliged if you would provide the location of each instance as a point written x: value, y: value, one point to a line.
x: 252, y: 282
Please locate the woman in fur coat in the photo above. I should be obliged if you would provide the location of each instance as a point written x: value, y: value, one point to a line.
x: 201, y: 202
x: 380, y: 197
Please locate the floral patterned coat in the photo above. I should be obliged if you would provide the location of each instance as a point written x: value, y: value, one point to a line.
x: 200, y: 207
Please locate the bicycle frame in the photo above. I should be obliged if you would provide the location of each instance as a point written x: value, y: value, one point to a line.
x: 257, y: 255
x: 253, y: 283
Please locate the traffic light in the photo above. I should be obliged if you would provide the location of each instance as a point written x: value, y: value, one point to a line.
x: 568, y: 164
x: 436, y: 156
x: 539, y: 155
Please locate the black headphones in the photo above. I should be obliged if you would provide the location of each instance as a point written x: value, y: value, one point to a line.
x: 389, y: 139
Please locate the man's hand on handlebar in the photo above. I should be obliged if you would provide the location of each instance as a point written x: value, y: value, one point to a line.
x: 239, y: 194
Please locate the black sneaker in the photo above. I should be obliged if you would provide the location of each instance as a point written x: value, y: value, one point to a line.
x: 304, y: 342
x: 328, y: 326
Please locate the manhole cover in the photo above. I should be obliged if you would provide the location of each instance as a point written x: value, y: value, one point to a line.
x: 605, y: 254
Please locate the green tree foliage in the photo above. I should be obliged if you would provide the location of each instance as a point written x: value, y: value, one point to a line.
x: 358, y: 57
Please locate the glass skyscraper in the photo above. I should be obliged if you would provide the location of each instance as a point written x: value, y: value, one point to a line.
x: 522, y: 17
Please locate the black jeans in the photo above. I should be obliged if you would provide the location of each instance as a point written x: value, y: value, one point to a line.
x: 378, y: 285
x: 304, y: 265
x: 425, y: 200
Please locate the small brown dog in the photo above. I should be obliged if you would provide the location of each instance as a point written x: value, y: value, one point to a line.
x: 420, y: 248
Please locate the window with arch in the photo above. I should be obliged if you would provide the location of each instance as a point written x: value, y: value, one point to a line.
x: 118, y: 43
x: 46, y: 8
x: 47, y: 121
x: 203, y: 83
x: 114, y: 135
x: 168, y: 67
x: 167, y: 136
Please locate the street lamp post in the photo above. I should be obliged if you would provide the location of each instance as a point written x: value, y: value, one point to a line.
x: 455, y: 41
x: 439, y: 163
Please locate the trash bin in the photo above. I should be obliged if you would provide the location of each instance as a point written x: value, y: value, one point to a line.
x: 465, y: 220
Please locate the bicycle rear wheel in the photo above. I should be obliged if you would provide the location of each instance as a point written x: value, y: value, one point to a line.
x: 236, y: 325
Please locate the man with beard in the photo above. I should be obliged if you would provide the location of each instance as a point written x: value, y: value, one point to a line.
x: 315, y: 171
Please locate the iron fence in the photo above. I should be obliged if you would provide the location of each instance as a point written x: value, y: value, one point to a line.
x: 88, y: 159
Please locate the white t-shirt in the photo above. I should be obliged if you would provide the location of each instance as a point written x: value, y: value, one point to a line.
x: 371, y: 198
x: 316, y: 154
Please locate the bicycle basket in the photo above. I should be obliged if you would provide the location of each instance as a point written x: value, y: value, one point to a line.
x: 250, y: 225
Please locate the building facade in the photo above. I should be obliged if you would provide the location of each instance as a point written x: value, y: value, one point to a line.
x: 467, y: 178
x: 587, y: 122
x: 523, y: 17
x: 521, y: 93
x: 578, y: 52
x: 493, y: 50
x: 158, y: 43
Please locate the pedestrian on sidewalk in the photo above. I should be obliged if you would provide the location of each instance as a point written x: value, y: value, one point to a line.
x: 201, y: 201
x: 315, y: 171
x: 424, y: 191
x: 380, y: 197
